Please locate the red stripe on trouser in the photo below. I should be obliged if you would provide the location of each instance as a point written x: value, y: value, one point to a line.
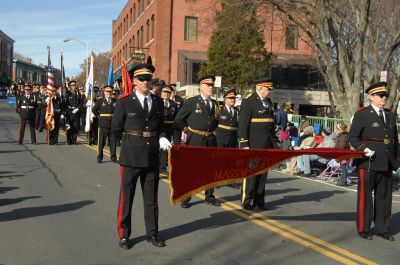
x: 361, y: 206
x: 19, y: 131
x: 121, y: 203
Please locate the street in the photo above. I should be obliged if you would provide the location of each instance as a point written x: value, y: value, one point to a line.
x: 58, y: 206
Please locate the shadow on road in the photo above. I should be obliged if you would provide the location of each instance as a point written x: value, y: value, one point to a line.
x: 267, y: 193
x: 314, y: 196
x: 12, y: 151
x: 30, y: 212
x: 7, y: 189
x: 279, y: 180
x: 4, y: 202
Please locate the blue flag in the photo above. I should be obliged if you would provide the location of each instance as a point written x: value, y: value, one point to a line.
x: 110, y: 81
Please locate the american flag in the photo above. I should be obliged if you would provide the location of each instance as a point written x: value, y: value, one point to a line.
x: 50, y: 87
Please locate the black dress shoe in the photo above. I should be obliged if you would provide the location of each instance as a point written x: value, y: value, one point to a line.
x: 185, y: 205
x: 99, y: 160
x: 114, y: 160
x: 212, y: 201
x: 262, y: 207
x: 306, y: 175
x: 247, y: 207
x: 298, y: 173
x: 386, y: 236
x: 156, y: 241
x: 124, y: 243
x: 365, y: 235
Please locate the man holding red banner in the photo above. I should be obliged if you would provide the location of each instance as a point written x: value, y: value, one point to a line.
x: 199, y: 117
x: 256, y: 130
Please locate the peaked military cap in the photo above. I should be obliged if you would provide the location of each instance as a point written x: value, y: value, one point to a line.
x: 230, y: 93
x: 143, y: 70
x: 265, y: 82
x: 71, y: 82
x: 209, y: 79
x: 376, y: 88
x: 108, y: 88
x: 155, y: 81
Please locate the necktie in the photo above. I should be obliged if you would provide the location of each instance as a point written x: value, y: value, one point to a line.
x: 231, y: 111
x: 208, y: 105
x: 381, y: 116
x: 166, y: 104
x: 146, y: 106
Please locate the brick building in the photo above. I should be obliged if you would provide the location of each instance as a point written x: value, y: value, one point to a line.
x: 176, y: 34
x: 6, y: 58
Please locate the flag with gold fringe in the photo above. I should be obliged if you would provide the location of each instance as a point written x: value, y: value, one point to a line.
x: 193, y: 169
x: 126, y: 81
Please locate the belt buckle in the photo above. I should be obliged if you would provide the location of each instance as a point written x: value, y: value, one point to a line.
x: 386, y: 141
x: 146, y: 134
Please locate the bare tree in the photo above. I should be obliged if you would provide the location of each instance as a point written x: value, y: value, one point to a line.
x: 354, y: 41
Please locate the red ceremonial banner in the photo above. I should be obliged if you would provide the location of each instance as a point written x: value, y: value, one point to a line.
x: 194, y: 169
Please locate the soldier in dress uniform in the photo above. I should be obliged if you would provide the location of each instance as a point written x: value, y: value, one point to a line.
x: 139, y: 117
x: 40, y: 121
x: 374, y: 131
x: 174, y: 97
x: 226, y: 132
x: 62, y: 95
x: 74, y: 103
x: 199, y: 117
x: 82, y: 109
x: 93, y: 132
x: 256, y: 130
x: 57, y: 109
x: 26, y: 108
x: 170, y: 111
x: 155, y: 86
x: 103, y: 109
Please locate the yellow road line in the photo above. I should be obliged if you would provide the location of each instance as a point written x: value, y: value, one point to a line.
x: 293, y: 234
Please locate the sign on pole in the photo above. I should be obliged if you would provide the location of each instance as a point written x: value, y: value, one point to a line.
x: 217, y: 82
x: 138, y: 56
x: 383, y: 76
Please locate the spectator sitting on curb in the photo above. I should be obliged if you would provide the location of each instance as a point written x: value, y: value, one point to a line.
x: 342, y: 141
x: 304, y: 161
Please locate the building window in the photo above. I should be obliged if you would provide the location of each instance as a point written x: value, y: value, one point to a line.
x: 141, y: 37
x: 138, y: 39
x: 130, y: 18
x: 291, y: 38
x: 141, y: 6
x: 134, y: 12
x: 152, y: 26
x: 190, y: 28
x: 147, y: 31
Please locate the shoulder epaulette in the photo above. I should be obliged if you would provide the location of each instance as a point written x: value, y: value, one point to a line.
x: 361, y: 108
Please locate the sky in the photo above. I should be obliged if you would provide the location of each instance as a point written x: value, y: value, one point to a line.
x: 35, y: 24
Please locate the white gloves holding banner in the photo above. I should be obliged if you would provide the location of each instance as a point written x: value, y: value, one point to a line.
x: 164, y: 144
x: 89, y: 103
x: 62, y: 116
x: 75, y: 111
x: 368, y: 152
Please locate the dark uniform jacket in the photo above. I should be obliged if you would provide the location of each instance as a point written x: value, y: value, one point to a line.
x: 368, y: 131
x: 40, y: 100
x: 104, y: 111
x: 195, y: 115
x: 74, y: 100
x: 57, y: 104
x: 256, y: 123
x: 179, y: 101
x: 227, y: 126
x: 170, y: 111
x: 129, y: 115
x: 26, y: 106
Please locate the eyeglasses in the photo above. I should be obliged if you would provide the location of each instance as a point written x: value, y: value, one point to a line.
x: 142, y: 79
x: 231, y: 97
x: 382, y: 95
x: 166, y: 91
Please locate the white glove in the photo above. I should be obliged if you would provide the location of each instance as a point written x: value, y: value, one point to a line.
x: 246, y: 147
x: 75, y: 111
x: 67, y: 126
x: 368, y: 152
x: 88, y: 103
x: 164, y: 144
x: 62, y: 116
x: 47, y: 100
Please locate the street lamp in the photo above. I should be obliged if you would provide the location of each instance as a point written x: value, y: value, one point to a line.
x: 87, y: 52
